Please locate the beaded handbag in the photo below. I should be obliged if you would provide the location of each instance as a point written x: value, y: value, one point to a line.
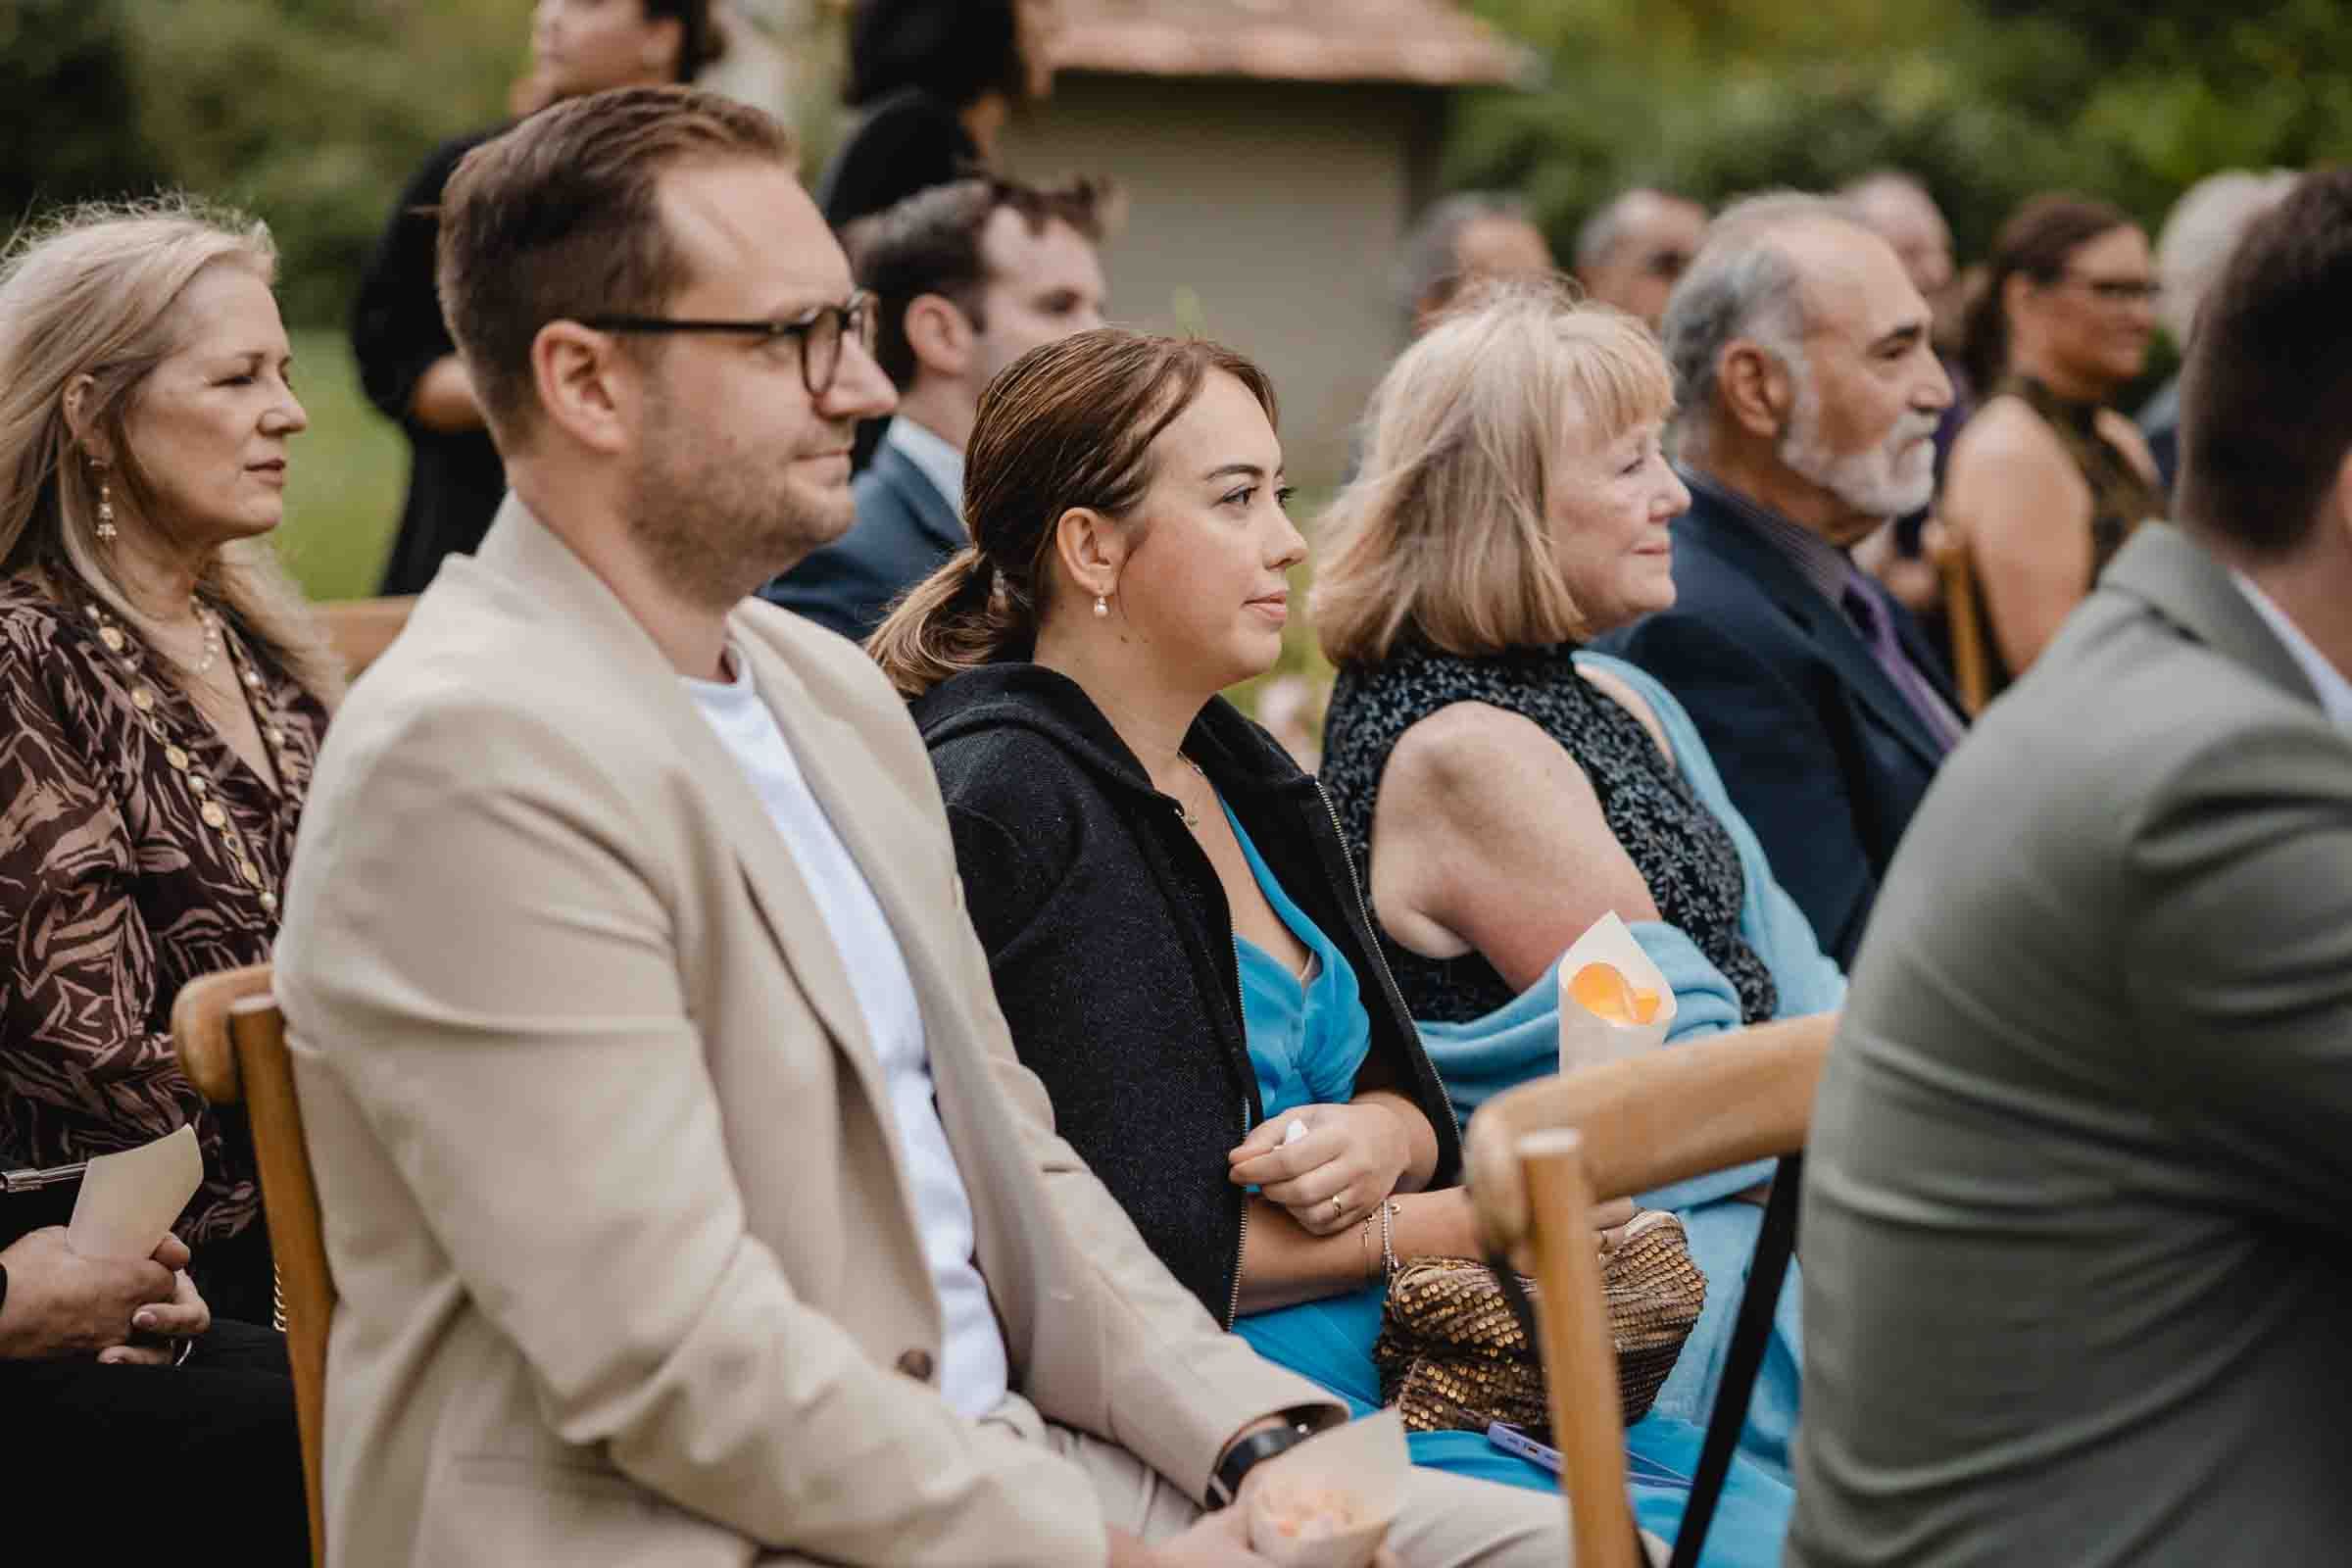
x: 1452, y: 1355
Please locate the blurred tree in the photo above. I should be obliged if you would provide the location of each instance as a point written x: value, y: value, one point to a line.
x: 1988, y: 101
x: 66, y: 98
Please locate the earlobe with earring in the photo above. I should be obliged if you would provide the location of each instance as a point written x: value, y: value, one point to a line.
x: 1102, y: 605
x: 105, y: 506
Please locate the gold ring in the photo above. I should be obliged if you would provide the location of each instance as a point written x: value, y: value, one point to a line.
x: 1339, y: 1206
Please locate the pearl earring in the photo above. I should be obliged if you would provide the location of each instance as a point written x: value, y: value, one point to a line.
x: 1102, y: 606
x: 106, y: 509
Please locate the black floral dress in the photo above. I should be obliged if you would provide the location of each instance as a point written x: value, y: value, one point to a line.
x: 138, y: 851
x: 1685, y: 855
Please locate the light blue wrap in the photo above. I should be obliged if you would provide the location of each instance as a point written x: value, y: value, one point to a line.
x: 1520, y: 1041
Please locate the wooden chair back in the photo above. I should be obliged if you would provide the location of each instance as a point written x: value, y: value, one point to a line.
x: 1972, y: 668
x: 363, y: 628
x: 1611, y: 1131
x: 231, y: 1041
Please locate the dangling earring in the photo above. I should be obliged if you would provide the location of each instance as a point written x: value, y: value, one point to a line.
x: 106, y: 507
x: 1102, y: 606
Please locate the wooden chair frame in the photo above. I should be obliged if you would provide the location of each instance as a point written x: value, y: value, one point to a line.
x: 1972, y: 667
x: 363, y: 628
x: 231, y: 1041
x: 1611, y: 1131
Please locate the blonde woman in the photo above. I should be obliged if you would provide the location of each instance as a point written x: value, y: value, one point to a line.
x: 1502, y: 789
x: 161, y: 689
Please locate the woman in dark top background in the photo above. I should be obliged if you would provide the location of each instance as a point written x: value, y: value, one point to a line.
x: 409, y: 366
x: 934, y: 81
x: 2048, y: 480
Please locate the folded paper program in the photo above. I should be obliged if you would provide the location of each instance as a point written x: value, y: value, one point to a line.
x: 129, y: 1199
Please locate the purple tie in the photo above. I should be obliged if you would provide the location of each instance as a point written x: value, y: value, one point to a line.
x: 1869, y: 620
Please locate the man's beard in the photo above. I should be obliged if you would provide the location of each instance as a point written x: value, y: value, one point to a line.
x: 1891, y: 479
x: 716, y: 525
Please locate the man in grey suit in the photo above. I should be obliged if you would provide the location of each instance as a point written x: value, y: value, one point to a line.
x: 2078, y: 1216
x: 967, y: 279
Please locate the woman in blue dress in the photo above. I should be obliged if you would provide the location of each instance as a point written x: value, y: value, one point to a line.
x: 1174, y: 929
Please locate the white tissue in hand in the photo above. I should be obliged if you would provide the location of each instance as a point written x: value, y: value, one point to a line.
x: 1586, y: 1037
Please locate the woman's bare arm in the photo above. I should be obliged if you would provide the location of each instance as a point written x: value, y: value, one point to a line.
x: 2017, y: 499
x: 1490, y: 838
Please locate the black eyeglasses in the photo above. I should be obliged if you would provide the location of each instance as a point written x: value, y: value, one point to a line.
x: 2118, y: 290
x: 820, y: 331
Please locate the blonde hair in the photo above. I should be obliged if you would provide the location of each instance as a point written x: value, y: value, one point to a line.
x: 91, y: 292
x: 1445, y: 532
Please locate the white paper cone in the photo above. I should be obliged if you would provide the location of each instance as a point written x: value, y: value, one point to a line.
x: 127, y: 1201
x: 1587, y: 1038
x: 1364, y: 1461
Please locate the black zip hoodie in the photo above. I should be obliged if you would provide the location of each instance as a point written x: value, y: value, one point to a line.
x: 1113, y: 948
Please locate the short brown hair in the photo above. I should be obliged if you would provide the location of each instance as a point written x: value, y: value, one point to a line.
x: 930, y: 244
x: 1069, y: 424
x: 2266, y: 399
x: 559, y: 218
x: 1446, y: 531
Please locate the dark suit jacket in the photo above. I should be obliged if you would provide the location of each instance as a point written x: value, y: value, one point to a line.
x: 456, y: 479
x: 1819, y: 748
x: 904, y: 531
x: 2077, y: 1195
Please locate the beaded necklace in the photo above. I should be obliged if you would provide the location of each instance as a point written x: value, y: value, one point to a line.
x: 269, y: 718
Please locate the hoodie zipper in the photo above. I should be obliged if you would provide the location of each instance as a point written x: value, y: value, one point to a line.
x: 1241, y: 1015
x: 1388, y: 979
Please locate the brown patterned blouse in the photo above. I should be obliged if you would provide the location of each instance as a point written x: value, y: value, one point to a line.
x: 117, y: 886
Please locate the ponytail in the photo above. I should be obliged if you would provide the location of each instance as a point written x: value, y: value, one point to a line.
x: 961, y: 616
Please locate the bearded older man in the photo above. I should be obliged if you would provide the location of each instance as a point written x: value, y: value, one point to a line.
x: 1809, y: 394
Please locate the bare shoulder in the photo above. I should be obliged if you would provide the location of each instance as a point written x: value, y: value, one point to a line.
x: 2004, y: 432
x: 1472, y: 763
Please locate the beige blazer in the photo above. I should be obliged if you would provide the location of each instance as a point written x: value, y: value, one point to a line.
x: 613, y: 1198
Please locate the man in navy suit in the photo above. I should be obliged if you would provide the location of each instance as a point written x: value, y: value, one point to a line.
x: 968, y: 278
x: 1809, y: 395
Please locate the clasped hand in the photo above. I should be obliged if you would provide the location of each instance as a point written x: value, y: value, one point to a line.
x: 63, y: 1304
x: 1353, y: 1154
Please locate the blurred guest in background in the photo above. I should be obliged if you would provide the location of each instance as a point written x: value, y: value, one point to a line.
x: 409, y: 366
x: 2077, y: 1185
x: 2191, y: 249
x: 966, y: 278
x: 1501, y: 788
x: 162, y: 688
x: 1464, y: 239
x: 1810, y: 393
x: 934, y: 81
x: 2047, y: 482
x: 1898, y: 208
x: 1630, y: 253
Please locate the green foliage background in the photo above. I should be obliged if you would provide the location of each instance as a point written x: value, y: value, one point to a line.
x: 1988, y: 101
x: 313, y: 113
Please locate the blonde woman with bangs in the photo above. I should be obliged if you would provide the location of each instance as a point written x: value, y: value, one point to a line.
x: 163, y: 691
x: 1501, y: 787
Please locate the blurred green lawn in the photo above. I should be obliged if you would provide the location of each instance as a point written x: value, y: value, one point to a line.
x: 345, y: 476
x: 350, y: 470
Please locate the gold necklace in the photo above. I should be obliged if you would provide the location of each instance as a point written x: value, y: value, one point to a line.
x: 204, y: 790
x: 1190, y: 817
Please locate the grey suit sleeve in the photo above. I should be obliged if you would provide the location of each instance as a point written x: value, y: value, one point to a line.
x: 2239, y: 956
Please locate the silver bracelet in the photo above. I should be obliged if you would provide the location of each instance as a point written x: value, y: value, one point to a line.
x: 1388, y: 1236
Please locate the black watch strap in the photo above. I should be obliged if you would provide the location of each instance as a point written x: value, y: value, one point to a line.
x: 1246, y: 1454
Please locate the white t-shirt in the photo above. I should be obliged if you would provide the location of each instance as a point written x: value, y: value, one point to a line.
x: 973, y: 1371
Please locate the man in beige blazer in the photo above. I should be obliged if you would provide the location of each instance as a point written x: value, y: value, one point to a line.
x: 686, y: 1199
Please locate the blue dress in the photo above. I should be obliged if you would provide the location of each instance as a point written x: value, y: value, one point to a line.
x: 1307, y: 1040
